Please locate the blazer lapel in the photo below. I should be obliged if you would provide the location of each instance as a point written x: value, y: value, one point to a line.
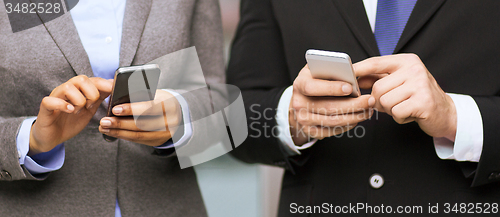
x: 136, y: 15
x: 423, y: 11
x: 64, y: 33
x: 353, y: 12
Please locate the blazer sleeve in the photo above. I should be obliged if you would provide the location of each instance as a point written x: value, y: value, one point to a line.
x: 488, y: 169
x: 10, y: 169
x: 258, y: 67
x: 204, y: 91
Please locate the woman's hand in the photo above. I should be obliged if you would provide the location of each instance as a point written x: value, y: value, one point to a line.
x: 150, y: 123
x: 66, y: 111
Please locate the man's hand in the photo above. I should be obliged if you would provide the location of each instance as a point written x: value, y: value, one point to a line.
x: 156, y: 121
x: 408, y: 92
x: 66, y: 111
x: 323, y: 108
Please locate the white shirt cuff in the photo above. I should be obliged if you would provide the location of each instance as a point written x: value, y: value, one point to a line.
x: 188, y: 129
x: 468, y: 144
x: 283, y: 128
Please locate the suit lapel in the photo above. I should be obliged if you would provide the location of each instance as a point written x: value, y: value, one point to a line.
x: 353, y: 12
x: 64, y: 33
x: 423, y: 11
x: 136, y: 15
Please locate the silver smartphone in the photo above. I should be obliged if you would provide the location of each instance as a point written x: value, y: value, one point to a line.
x: 331, y: 65
x: 133, y: 83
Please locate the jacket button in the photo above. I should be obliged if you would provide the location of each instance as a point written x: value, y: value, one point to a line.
x: 376, y: 181
x: 5, y: 175
x: 279, y: 163
x: 494, y: 176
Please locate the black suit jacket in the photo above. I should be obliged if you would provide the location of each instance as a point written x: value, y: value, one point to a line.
x: 459, y: 42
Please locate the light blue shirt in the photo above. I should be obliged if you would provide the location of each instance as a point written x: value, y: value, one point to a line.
x: 99, y: 25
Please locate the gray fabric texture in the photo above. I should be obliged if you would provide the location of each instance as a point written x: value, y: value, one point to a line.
x: 95, y: 173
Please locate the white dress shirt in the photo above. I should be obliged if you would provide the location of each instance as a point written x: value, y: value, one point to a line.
x: 468, y: 143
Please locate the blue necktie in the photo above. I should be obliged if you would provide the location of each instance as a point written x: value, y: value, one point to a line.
x: 392, y: 16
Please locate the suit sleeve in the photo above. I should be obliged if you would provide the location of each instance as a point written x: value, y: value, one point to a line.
x: 10, y: 169
x: 258, y: 67
x: 203, y: 92
x: 488, y: 169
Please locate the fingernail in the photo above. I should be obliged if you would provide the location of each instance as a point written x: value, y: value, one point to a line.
x: 371, y: 101
x: 117, y: 110
x: 104, y: 130
x: 70, y: 107
x: 90, y: 106
x: 346, y: 88
x: 106, y: 123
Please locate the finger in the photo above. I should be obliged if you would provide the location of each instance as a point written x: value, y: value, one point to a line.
x: 88, y: 89
x: 144, y: 123
x: 136, y: 136
x: 366, y: 82
x: 382, y: 64
x: 332, y: 105
x: 153, y: 108
x: 50, y: 104
x: 123, y: 123
x: 324, y: 132
x: 388, y: 83
x: 397, y: 95
x: 104, y: 86
x: 306, y: 85
x: 69, y: 92
x: 402, y: 112
x: 311, y: 119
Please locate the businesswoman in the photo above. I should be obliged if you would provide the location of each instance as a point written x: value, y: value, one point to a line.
x: 54, y: 79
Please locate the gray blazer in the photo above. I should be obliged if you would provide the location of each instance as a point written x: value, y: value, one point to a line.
x: 95, y: 172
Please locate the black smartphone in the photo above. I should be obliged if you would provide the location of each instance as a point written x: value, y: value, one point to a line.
x: 133, y: 83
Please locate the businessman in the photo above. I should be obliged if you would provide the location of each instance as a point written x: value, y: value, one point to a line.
x: 435, y: 139
x: 53, y: 158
